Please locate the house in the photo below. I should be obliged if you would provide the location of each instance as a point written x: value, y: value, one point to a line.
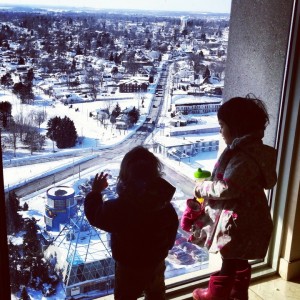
x: 178, y: 121
x: 197, y: 105
x: 195, y: 129
x: 186, y: 145
x: 133, y: 86
x: 101, y: 114
x: 122, y: 122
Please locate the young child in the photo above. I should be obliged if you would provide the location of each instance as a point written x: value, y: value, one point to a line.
x: 142, y: 222
x: 244, y: 170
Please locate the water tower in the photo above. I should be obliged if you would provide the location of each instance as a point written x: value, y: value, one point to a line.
x: 60, y: 207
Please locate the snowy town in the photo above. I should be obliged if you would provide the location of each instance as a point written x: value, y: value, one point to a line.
x: 75, y: 84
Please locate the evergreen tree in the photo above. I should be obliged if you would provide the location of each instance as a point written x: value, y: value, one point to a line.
x: 114, y: 71
x: 15, y: 220
x: 201, y: 54
x: 24, y: 294
x: 206, y: 73
x: 78, y: 50
x: 30, y: 76
x: 67, y: 134
x: 62, y: 131
x: 52, y: 129
x: 25, y: 206
x: 24, y: 92
x: 148, y: 44
x: 6, y: 80
x: 133, y: 116
x: 15, y: 261
x: 73, y: 65
x: 117, y: 58
x: 116, y: 111
x: 21, y: 61
x: 31, y: 243
x: 5, y: 113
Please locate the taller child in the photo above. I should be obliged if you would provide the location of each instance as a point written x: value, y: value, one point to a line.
x: 244, y: 170
x: 142, y: 222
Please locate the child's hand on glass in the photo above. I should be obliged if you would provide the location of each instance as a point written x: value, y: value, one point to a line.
x: 100, y: 182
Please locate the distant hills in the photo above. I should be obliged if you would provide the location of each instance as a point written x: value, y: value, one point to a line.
x: 44, y: 7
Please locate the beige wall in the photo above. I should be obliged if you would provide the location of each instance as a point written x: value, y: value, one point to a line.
x: 258, y: 40
x: 257, y: 63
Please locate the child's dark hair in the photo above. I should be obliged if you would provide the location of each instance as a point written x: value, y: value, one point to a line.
x: 139, y: 164
x: 244, y: 116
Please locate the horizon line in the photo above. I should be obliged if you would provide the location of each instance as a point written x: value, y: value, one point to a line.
x: 43, y: 6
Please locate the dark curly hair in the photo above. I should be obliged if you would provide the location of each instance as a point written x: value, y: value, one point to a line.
x: 244, y: 116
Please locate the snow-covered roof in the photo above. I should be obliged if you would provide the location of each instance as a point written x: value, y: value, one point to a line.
x: 213, y: 126
x: 60, y: 191
x: 172, y: 141
x: 197, y: 100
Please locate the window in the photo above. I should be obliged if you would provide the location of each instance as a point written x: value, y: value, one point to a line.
x: 288, y: 103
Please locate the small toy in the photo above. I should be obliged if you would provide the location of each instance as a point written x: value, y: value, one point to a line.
x: 201, y: 175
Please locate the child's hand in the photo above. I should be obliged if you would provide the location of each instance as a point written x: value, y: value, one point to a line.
x: 100, y: 183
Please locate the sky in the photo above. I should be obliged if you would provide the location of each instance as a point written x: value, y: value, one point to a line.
x: 217, y: 6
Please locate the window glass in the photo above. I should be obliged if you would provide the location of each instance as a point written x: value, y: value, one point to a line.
x: 78, y: 90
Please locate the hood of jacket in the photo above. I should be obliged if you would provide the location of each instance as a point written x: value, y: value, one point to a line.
x: 264, y: 156
x: 147, y: 196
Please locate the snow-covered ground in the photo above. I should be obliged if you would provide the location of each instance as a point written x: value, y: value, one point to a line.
x: 95, y: 137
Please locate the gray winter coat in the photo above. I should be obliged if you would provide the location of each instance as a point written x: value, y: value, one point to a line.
x: 244, y: 170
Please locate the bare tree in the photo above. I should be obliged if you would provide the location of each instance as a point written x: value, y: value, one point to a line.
x: 100, y: 71
x: 23, y: 124
x: 92, y: 79
x: 218, y: 68
x: 38, y: 116
x: 34, y: 140
x: 13, y: 135
x: 132, y: 66
x: 109, y: 105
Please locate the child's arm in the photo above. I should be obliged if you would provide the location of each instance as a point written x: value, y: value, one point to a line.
x: 100, y: 214
x: 239, y: 175
x: 92, y: 207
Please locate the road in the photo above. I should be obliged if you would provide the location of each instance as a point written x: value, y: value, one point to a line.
x: 106, y: 156
x: 111, y: 154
